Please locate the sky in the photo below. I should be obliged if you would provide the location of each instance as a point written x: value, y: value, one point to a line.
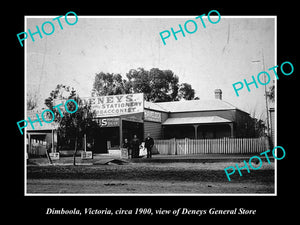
x: 211, y: 58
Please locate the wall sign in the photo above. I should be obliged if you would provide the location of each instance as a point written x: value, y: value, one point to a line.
x: 152, y: 116
x: 107, y: 122
x: 115, y: 105
x: 137, y: 117
x: 54, y: 155
x: 87, y: 155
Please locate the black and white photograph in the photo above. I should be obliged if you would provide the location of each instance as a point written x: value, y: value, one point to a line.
x: 164, y: 105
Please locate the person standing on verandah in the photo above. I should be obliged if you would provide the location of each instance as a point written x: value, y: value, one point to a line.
x: 135, y: 146
x: 149, y: 142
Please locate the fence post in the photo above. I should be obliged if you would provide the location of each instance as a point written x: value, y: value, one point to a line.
x: 185, y: 145
x: 175, y: 146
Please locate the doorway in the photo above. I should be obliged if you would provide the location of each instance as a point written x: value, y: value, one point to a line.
x: 100, y: 141
x: 130, y: 128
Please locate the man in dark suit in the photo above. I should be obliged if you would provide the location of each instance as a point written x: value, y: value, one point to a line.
x: 149, y: 142
x: 135, y: 146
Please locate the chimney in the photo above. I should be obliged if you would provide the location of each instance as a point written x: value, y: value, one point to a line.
x: 218, y: 94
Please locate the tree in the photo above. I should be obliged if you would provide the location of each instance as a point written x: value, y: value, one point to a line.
x: 60, y: 92
x: 75, y: 125
x: 108, y: 84
x: 138, y: 82
x: 157, y: 85
x: 71, y: 125
x: 271, y: 93
x: 31, y: 100
x: 186, y: 92
x: 250, y: 126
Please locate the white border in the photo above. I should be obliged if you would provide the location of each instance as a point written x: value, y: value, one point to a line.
x: 165, y: 194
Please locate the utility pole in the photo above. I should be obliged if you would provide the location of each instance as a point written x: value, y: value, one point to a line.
x: 266, y: 97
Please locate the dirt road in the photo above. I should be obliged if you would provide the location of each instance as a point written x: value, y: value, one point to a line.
x: 148, y: 178
x: 88, y: 186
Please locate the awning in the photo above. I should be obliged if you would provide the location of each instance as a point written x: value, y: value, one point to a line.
x: 196, y: 120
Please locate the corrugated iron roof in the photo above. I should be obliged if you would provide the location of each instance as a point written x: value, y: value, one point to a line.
x: 191, y: 105
x: 154, y: 106
x: 196, y: 120
x: 36, y: 125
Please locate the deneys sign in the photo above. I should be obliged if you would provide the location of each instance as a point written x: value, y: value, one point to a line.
x: 114, y: 105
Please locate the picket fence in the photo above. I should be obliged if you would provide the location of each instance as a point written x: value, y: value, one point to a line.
x: 212, y: 146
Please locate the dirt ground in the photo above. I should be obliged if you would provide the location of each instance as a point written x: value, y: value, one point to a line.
x: 149, y: 178
x: 88, y: 186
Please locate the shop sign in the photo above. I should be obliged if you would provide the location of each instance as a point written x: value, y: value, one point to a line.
x: 54, y: 155
x: 137, y: 117
x: 107, y: 122
x: 124, y: 153
x: 115, y: 105
x: 87, y: 155
x: 152, y: 116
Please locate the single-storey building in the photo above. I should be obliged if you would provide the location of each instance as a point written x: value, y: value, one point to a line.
x: 41, y: 138
x: 121, y: 116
